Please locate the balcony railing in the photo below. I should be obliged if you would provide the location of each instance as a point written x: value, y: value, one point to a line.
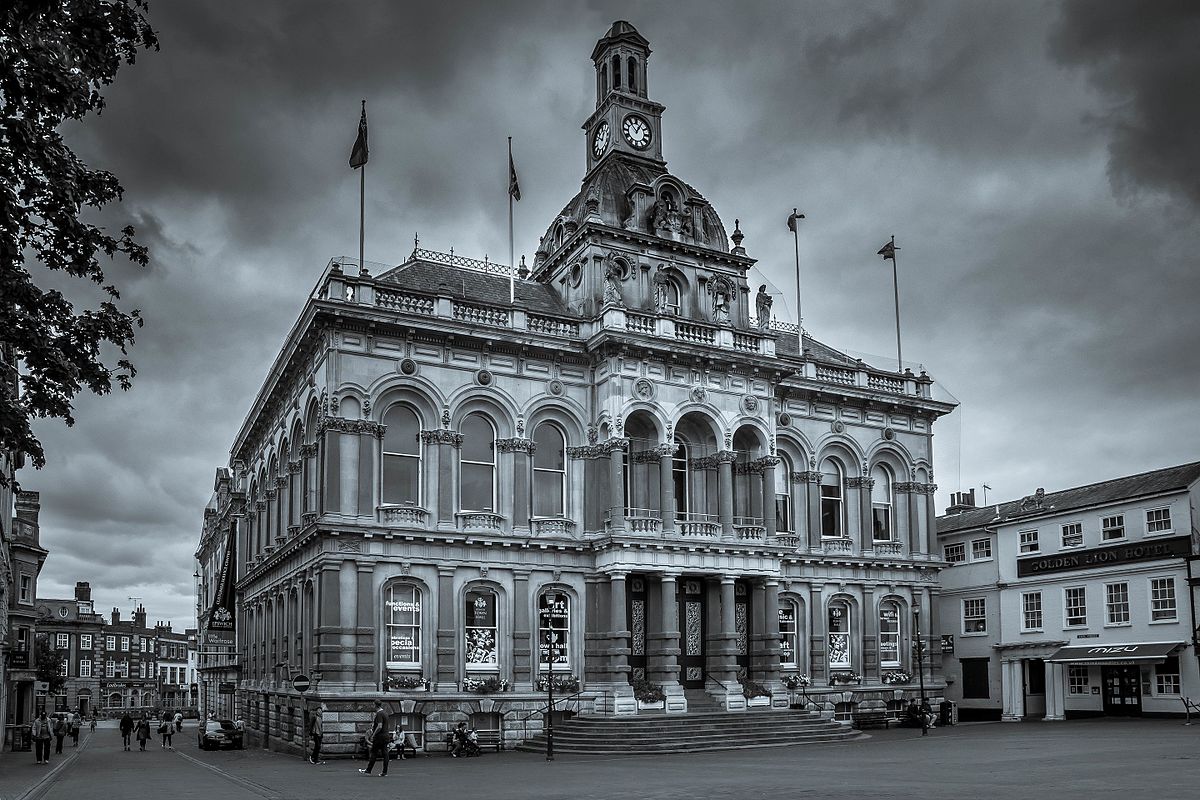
x: 552, y: 326
x: 787, y: 540
x: 478, y: 521
x: 406, y: 302
x: 749, y: 528
x: 553, y: 526
x: 887, y: 548
x: 637, y: 520
x: 885, y: 383
x: 639, y: 323
x: 407, y: 516
x: 837, y: 545
x: 695, y: 524
x: 697, y: 334
x: 481, y: 315
x: 845, y: 377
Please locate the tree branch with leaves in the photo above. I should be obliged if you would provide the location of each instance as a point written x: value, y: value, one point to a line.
x: 55, y: 57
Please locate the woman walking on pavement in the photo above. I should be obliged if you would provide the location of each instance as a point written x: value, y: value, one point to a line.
x: 167, y: 729
x: 143, y: 732
x: 41, y: 738
x: 126, y: 729
x: 315, y: 731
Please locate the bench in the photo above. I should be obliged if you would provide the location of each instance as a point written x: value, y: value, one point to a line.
x: 490, y: 738
x: 871, y: 719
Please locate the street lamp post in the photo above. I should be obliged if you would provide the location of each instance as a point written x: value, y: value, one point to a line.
x: 919, y: 646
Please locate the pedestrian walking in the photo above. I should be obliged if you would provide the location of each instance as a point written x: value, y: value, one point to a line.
x: 166, y: 729
x: 377, y: 741
x: 93, y: 723
x: 41, y: 738
x: 143, y: 731
x: 316, y: 728
x: 76, y: 721
x: 126, y: 729
x: 179, y: 722
x: 60, y: 733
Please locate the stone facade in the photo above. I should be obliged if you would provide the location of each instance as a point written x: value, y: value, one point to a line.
x: 622, y: 475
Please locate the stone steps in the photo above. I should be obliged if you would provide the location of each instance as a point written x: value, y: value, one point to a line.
x: 686, y: 733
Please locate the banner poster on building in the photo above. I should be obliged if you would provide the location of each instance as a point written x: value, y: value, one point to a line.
x: 220, y: 616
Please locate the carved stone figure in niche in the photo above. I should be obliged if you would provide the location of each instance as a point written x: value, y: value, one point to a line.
x: 762, y: 307
x: 721, y: 290
x: 612, y: 282
x: 668, y: 220
x: 661, y: 285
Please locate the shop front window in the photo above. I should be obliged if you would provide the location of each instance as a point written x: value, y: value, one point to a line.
x: 889, y: 635
x: 403, y: 626
x: 554, y: 630
x: 789, y: 639
x: 839, y: 637
x: 481, y: 631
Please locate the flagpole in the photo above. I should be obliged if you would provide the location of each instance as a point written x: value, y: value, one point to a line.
x: 799, y: 308
x: 896, y: 294
x: 362, y: 204
x: 512, y: 267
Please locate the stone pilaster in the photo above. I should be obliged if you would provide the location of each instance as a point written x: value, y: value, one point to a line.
x: 768, y: 494
x: 666, y: 491
x: 522, y: 644
x: 366, y: 665
x: 662, y: 641
x: 445, y: 444
x: 725, y: 460
x: 870, y: 642
x: 819, y: 664
x: 446, y: 675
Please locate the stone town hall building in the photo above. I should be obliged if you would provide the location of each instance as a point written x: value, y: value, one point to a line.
x: 623, y: 472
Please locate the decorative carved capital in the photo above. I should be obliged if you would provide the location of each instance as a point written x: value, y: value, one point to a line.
x: 904, y: 487
x: 726, y: 456
x: 261, y: 505
x: 343, y: 425
x: 654, y: 455
x: 281, y: 482
x: 294, y: 467
x: 441, y: 436
x: 770, y: 461
x: 857, y: 482
x: 271, y: 494
x: 600, y: 450
x: 308, y: 450
x: 516, y: 445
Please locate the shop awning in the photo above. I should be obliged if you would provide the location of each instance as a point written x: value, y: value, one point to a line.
x: 1114, y: 654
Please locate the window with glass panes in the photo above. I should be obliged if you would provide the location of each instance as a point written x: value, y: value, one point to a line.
x: 401, y: 457
x: 955, y: 553
x: 975, y: 615
x: 85, y: 668
x: 1074, y: 606
x: 1158, y: 520
x: 549, y: 471
x: 1029, y: 542
x: 62, y: 641
x: 783, y: 497
x: 1031, y: 611
x: 1112, y: 527
x: 839, y: 636
x: 1116, y: 603
x: 1077, y: 680
x: 1166, y: 676
x: 881, y: 504
x: 482, y: 634
x: 85, y: 641
x: 1072, y: 534
x: 789, y: 640
x: 110, y: 669
x: 125, y: 644
x: 889, y: 634
x: 403, y: 619
x: 832, y: 519
x: 110, y: 642
x: 981, y: 549
x: 477, y: 464
x: 554, y: 630
x: 1162, y: 600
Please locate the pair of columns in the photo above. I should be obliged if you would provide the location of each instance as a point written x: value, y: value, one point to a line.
x: 1012, y: 690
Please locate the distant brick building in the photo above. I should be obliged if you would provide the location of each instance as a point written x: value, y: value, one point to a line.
x: 76, y: 633
x: 26, y: 557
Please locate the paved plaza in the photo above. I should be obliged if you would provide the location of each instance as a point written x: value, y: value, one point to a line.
x: 1063, y: 760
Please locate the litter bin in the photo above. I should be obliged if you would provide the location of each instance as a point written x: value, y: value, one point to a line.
x: 947, y: 713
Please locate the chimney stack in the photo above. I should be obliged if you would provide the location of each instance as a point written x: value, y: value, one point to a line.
x: 116, y: 616
x: 961, y: 501
x: 83, y: 591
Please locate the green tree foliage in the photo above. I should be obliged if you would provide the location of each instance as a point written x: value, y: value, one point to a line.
x: 55, y: 56
x: 49, y: 664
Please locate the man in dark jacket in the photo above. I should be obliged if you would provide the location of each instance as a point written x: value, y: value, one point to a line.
x: 60, y: 732
x: 378, y: 740
x: 126, y: 728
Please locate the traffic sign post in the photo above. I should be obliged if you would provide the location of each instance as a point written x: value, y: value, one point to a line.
x: 301, y: 683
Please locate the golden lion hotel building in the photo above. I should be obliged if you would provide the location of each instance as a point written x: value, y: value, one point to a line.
x: 1074, y: 603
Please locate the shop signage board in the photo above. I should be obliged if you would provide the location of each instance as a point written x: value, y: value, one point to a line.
x: 226, y: 687
x: 1098, y: 557
x: 1114, y: 654
x: 947, y: 642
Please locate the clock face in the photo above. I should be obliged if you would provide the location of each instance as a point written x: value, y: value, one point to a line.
x: 637, y: 131
x: 600, y: 140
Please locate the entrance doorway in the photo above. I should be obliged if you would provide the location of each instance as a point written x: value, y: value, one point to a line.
x: 692, y: 632
x: 1035, y: 688
x: 1121, y: 691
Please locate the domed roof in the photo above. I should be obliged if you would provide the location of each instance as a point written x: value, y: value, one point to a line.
x: 610, y: 184
x: 620, y: 31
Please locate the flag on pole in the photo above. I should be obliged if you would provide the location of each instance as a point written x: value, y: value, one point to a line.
x: 514, y: 188
x: 358, y: 155
x: 888, y: 251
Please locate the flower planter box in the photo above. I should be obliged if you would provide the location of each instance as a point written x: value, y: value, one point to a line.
x: 653, y: 705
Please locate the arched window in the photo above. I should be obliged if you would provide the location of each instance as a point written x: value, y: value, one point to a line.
x: 264, y: 513
x: 673, y: 305
x: 889, y: 634
x: 881, y: 504
x: 403, y: 620
x: 554, y: 630
x: 840, y: 656
x: 679, y: 475
x: 481, y: 631
x: 789, y: 634
x: 549, y: 471
x: 309, y: 454
x: 477, y: 470
x: 402, y: 457
x: 252, y: 546
x: 633, y: 71
x: 833, y: 520
x: 616, y: 68
x: 783, y: 495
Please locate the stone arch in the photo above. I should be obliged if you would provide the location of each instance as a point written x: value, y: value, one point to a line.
x: 497, y: 405
x: 566, y: 411
x: 705, y: 418
x: 844, y: 448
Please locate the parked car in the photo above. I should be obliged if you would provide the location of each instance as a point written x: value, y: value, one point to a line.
x: 218, y: 733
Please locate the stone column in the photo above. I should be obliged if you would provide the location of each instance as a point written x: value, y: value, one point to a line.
x: 812, y: 484
x: 866, y: 518
x: 365, y: 663
x: 723, y: 660
x: 348, y: 473
x: 768, y: 494
x: 914, y: 518
x: 348, y: 622
x: 666, y: 490
x: 900, y: 516
x: 1012, y: 689
x: 447, y: 443
x: 928, y: 535
x: 872, y: 669
x: 725, y: 491
x: 1055, y: 711
x: 764, y: 637
x: 819, y: 664
x: 446, y: 673
x: 523, y: 648
x: 855, y: 528
x: 619, y: 641
x: 662, y: 645
x: 327, y: 644
x: 616, y: 483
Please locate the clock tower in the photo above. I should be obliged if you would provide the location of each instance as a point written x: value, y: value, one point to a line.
x: 625, y: 121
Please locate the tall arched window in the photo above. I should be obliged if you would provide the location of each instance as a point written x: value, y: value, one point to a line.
x: 881, y: 504
x: 549, y: 471
x: 840, y: 656
x: 311, y: 470
x: 402, y: 457
x: 673, y: 303
x: 889, y: 634
x: 554, y: 630
x: 616, y: 68
x: 632, y: 69
x: 482, y: 631
x: 783, y: 495
x: 789, y: 634
x: 477, y: 470
x: 252, y: 545
x: 264, y: 513
x: 833, y: 520
x: 403, y: 620
x: 679, y: 476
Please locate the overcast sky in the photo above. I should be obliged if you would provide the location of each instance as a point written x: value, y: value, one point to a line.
x: 1038, y: 164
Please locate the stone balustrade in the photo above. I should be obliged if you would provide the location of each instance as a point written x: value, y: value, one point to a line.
x: 406, y: 516
x: 478, y: 521
x: 553, y: 526
x: 837, y: 545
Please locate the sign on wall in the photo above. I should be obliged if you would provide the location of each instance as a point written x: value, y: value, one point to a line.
x: 221, y: 630
x: 1096, y: 557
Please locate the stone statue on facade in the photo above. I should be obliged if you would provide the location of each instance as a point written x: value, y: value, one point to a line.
x: 722, y: 295
x: 668, y: 220
x: 612, y: 282
x: 762, y: 307
x: 661, y: 284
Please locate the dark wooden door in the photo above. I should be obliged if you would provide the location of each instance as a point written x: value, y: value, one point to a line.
x: 1121, y: 690
x: 692, y: 632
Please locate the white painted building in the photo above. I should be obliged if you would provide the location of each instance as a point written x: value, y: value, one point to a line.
x: 1074, y: 603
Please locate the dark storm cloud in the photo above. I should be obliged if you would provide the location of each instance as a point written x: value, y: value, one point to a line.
x: 1144, y: 59
x: 981, y: 134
